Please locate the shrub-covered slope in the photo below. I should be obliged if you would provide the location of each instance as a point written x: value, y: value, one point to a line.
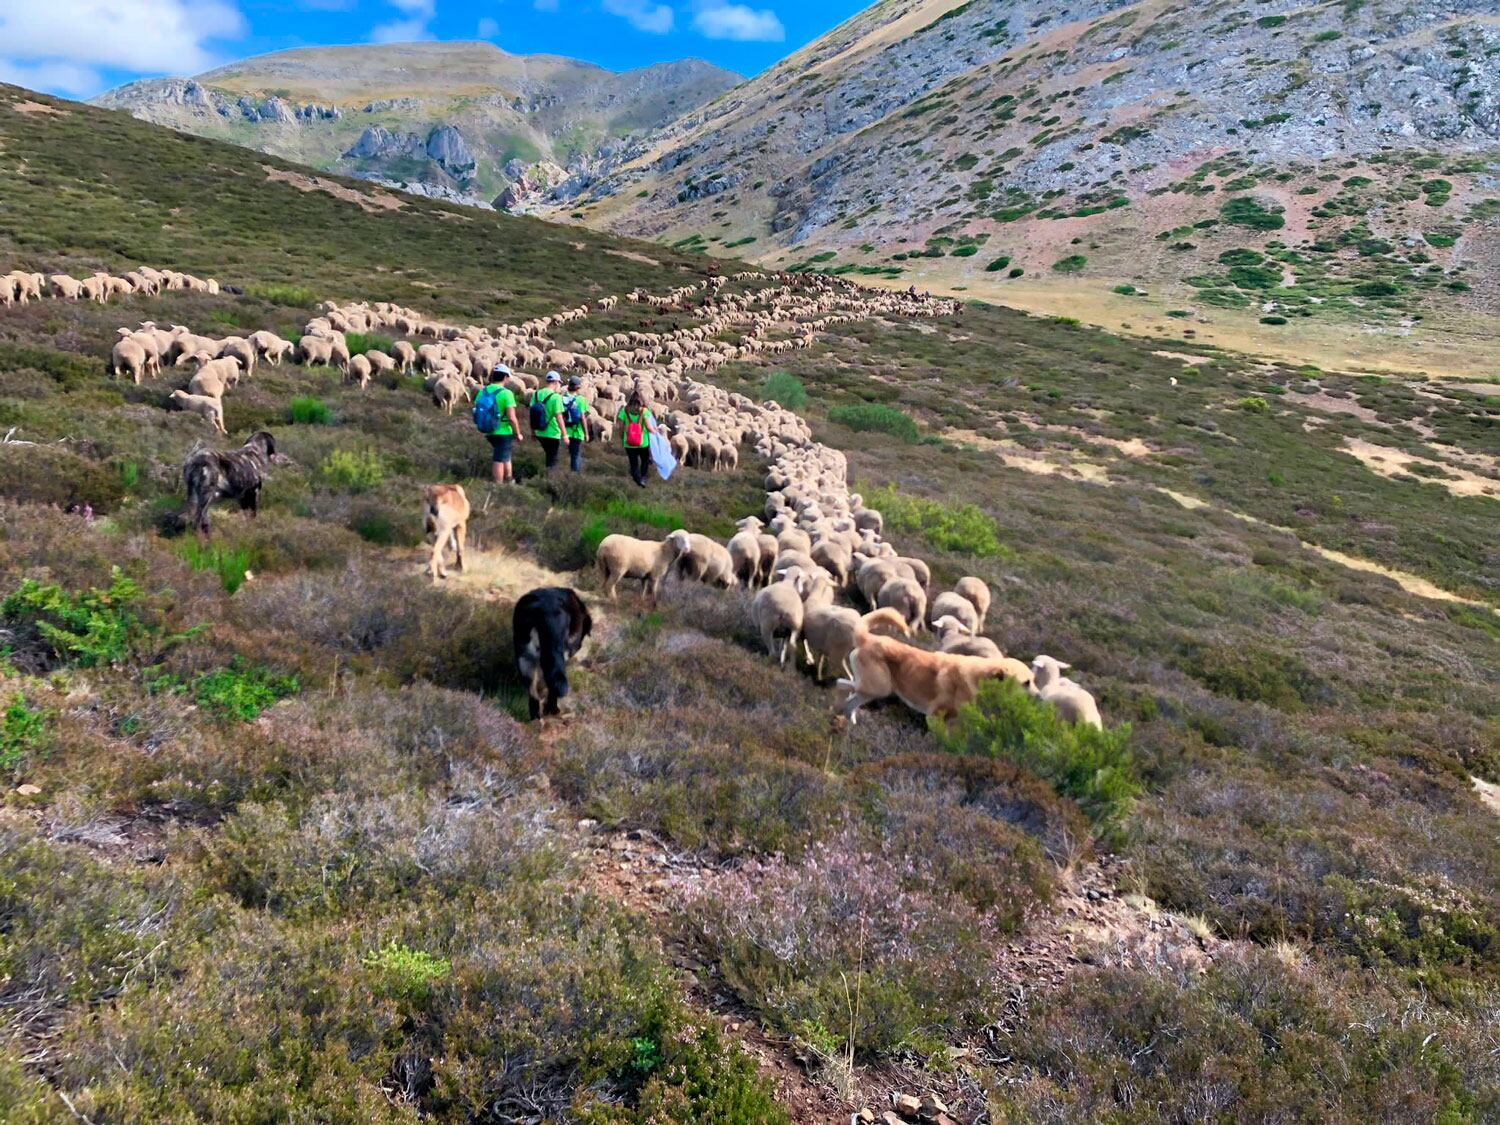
x: 272, y: 844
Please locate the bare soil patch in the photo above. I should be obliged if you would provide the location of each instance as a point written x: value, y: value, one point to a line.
x: 634, y: 257
x: 1388, y: 462
x: 38, y: 107
x: 373, y: 201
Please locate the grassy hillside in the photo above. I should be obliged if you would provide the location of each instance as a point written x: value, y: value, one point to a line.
x: 289, y: 854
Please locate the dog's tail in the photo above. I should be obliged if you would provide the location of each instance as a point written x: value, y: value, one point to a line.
x: 881, y: 618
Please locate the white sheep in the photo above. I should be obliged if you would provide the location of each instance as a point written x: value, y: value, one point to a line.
x: 978, y: 593
x: 709, y: 563
x: 906, y: 597
x: 955, y: 637
x: 1073, y: 703
x: 956, y: 606
x: 777, y: 612
x: 128, y: 358
x: 621, y: 556
x: 359, y: 371
x: 830, y: 634
x: 210, y: 408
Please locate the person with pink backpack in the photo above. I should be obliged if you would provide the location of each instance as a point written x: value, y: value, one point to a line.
x: 636, y: 424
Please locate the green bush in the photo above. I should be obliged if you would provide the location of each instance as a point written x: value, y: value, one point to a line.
x: 1015, y: 273
x: 998, y: 264
x: 240, y: 692
x: 1273, y: 319
x: 1073, y: 263
x: 1092, y: 766
x: 404, y: 973
x: 354, y: 470
x: 785, y: 388
x: 231, y: 562
x: 1255, y: 404
x: 965, y: 251
x: 92, y: 628
x: 292, y: 296
x: 876, y: 417
x: 21, y: 732
x: 306, y: 410
x: 948, y: 526
x: 1246, y: 211
x: 361, y: 342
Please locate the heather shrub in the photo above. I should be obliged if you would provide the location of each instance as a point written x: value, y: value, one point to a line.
x: 353, y: 470
x: 89, y: 628
x: 876, y: 417
x: 1093, y: 767
x: 840, y: 950
x: 785, y: 388
x: 948, y: 526
x: 44, y: 474
x: 23, y: 730
x: 1256, y: 1038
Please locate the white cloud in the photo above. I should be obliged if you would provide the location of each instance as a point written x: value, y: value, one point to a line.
x: 401, y: 31
x: 63, y: 78
x: 62, y: 45
x: 643, y: 15
x: 488, y: 28
x: 412, y: 29
x: 544, y: 5
x: 716, y: 19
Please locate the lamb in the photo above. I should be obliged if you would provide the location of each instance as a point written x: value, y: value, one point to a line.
x: 1073, y: 703
x: 211, y: 408
x: 778, y: 612
x: 907, y: 598
x: 956, y: 606
x: 978, y: 593
x: 708, y: 563
x: 621, y: 556
x: 831, y: 633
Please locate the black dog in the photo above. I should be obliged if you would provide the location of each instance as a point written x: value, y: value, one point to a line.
x: 550, y: 625
x: 211, y: 476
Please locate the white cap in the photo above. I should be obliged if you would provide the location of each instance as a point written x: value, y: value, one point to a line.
x: 553, y: 377
x: 500, y: 369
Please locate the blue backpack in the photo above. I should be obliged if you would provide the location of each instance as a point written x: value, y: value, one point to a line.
x: 541, y: 416
x: 572, y: 411
x: 487, y: 410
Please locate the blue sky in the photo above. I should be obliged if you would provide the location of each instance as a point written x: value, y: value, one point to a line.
x: 77, y: 48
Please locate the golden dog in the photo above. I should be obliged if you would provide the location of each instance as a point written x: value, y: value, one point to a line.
x: 446, y: 508
x: 932, y: 683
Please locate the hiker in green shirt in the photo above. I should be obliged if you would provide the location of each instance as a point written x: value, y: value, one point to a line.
x: 507, y: 428
x: 547, y: 404
x: 575, y: 419
x: 637, y: 424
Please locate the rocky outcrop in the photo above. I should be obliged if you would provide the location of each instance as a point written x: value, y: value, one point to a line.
x: 446, y: 146
x: 379, y: 143
x: 529, y: 184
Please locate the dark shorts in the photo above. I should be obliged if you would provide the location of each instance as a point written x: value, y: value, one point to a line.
x: 500, y: 447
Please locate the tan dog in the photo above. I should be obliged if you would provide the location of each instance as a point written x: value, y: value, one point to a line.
x: 932, y: 683
x: 446, y: 508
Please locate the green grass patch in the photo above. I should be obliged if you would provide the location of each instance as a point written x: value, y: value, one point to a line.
x: 241, y: 692
x: 292, y: 296
x: 785, y: 388
x: 305, y: 410
x: 230, y: 562
x: 353, y: 470
x: 961, y: 528
x: 1073, y: 263
x: 361, y: 342
x: 876, y: 417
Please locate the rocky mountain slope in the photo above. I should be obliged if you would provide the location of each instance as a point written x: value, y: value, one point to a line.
x: 1279, y: 160
x: 458, y: 120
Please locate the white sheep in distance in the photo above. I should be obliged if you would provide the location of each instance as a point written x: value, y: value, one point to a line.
x: 1073, y: 703
x: 210, y: 408
x: 622, y: 556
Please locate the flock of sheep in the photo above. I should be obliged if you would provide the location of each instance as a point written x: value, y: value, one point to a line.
x: 20, y: 288
x: 814, y: 545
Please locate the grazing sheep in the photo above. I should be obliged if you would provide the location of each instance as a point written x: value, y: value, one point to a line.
x: 380, y: 363
x: 405, y: 355
x: 709, y: 563
x: 241, y: 351
x: 68, y: 288
x: 830, y: 634
x: 621, y: 556
x: 206, y: 405
x: 770, y: 552
x: 954, y: 637
x: 314, y: 349
x: 214, y: 377
x: 127, y: 357
x: 359, y: 371
x: 778, y: 612
x: 834, y: 557
x: 956, y: 606
x: 447, y: 391
x: 906, y: 597
x: 445, y: 512
x: 978, y: 593
x: 1073, y: 703
x: 269, y: 346
x: 744, y: 557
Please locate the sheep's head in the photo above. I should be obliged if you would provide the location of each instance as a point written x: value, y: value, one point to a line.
x: 945, y: 625
x: 681, y: 542
x: 1047, y: 669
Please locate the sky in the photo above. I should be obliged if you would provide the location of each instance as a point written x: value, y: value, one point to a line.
x: 79, y: 48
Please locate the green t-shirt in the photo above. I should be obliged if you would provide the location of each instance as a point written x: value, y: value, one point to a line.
x: 583, y: 409
x: 553, y: 402
x: 505, y: 402
x: 625, y: 418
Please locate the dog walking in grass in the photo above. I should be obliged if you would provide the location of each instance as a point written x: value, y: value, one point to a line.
x: 550, y: 626
x: 211, y: 476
